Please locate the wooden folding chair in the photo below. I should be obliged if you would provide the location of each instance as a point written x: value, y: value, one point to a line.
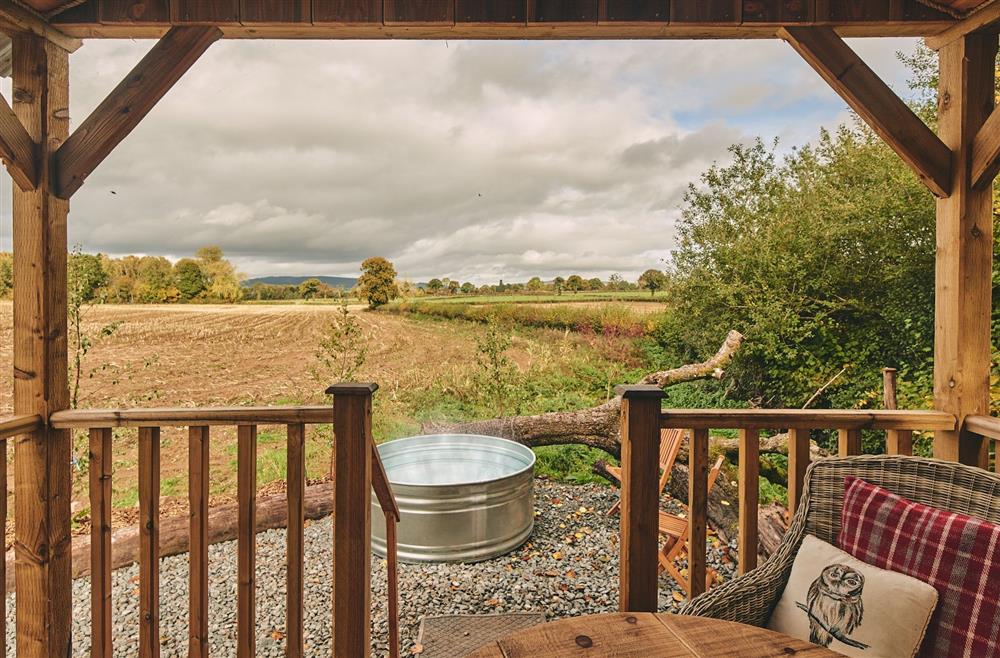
x: 675, y: 529
x: 670, y: 445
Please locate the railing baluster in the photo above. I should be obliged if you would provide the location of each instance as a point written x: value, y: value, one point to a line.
x: 697, y: 510
x: 849, y: 442
x: 798, y: 462
x: 749, y: 483
x: 352, y: 410
x: 640, y: 498
x: 100, y: 543
x: 198, y: 491
x: 149, y: 542
x: 899, y: 442
x: 246, y: 494
x: 392, y: 575
x: 295, y: 541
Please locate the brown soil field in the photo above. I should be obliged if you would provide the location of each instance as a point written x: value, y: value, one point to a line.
x: 255, y: 355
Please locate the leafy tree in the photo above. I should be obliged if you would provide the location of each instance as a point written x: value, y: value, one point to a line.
x: 653, y: 280
x: 453, y: 287
x: 559, y: 284
x: 155, y: 281
x: 310, y: 288
x: 6, y: 274
x: 222, y: 283
x: 377, y: 283
x: 535, y: 284
x: 190, y: 280
x: 434, y: 286
x: 595, y: 284
x: 468, y: 288
x: 575, y: 283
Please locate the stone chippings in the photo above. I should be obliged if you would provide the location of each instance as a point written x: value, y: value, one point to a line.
x: 569, y: 567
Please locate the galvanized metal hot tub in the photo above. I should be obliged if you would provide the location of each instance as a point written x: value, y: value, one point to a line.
x: 462, y: 497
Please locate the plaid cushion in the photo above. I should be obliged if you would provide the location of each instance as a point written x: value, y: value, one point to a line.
x: 957, y: 554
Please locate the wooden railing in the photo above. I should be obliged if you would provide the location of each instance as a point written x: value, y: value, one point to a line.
x: 358, y: 470
x: 987, y: 427
x: 642, y: 420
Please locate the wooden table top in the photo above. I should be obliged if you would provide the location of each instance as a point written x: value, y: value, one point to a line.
x: 647, y: 635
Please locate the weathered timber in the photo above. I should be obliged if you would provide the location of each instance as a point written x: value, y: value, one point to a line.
x: 42, y: 479
x: 964, y: 254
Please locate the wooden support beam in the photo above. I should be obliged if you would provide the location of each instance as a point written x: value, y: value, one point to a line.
x: 964, y: 255
x: 42, y: 479
x: 640, y: 498
x: 986, y: 152
x: 875, y: 102
x: 18, y: 150
x: 16, y: 18
x: 982, y: 20
x: 352, y: 428
x: 129, y: 102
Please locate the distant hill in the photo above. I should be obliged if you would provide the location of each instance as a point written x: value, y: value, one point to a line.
x: 343, y: 282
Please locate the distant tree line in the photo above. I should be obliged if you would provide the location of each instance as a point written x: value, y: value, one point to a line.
x: 207, y: 277
x: 652, y: 280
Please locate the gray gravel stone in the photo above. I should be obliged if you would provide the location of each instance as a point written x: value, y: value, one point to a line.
x: 569, y: 567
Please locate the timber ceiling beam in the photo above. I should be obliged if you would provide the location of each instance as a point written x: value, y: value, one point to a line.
x: 126, y: 106
x: 876, y: 103
x: 986, y: 152
x: 18, y: 150
x: 15, y: 17
x: 982, y: 20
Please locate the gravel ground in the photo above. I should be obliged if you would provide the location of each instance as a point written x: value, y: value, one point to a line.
x: 568, y: 567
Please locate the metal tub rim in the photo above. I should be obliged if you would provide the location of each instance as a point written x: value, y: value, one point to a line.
x: 402, y: 444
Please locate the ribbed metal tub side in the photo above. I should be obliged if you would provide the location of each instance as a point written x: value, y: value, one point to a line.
x: 462, y: 498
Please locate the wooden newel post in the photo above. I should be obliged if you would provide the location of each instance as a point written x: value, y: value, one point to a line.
x: 352, y: 429
x: 640, y: 439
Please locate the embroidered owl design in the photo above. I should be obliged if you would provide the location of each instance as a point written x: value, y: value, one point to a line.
x: 834, y: 606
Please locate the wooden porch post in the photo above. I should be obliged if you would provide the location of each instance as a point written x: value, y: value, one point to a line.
x: 964, y: 249
x: 42, y: 459
x: 352, y: 428
x: 640, y: 440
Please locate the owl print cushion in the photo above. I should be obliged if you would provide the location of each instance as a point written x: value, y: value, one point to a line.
x: 850, y: 607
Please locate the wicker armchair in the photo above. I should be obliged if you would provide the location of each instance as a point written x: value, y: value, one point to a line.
x: 751, y: 598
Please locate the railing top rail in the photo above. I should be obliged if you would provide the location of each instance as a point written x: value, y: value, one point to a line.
x: 17, y: 425
x: 849, y: 419
x: 987, y: 426
x: 180, y: 416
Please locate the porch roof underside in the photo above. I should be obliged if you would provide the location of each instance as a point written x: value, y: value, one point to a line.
x: 532, y: 19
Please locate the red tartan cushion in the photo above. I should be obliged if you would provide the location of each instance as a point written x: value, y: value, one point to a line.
x: 959, y: 555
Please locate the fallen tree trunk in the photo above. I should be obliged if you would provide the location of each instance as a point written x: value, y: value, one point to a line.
x: 598, y: 426
x: 272, y: 512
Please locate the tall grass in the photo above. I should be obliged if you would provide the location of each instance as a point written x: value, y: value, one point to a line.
x: 611, y: 320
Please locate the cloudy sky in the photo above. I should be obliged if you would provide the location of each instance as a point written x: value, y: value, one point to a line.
x: 474, y: 160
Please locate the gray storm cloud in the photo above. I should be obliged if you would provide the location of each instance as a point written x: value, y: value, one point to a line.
x: 474, y: 160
